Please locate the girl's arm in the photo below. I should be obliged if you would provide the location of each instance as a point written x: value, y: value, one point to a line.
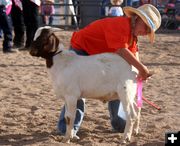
x: 132, y: 60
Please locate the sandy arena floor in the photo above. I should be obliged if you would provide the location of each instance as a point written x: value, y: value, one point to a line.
x: 30, y: 110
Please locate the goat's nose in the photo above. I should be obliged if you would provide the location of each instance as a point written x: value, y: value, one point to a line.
x: 33, y: 52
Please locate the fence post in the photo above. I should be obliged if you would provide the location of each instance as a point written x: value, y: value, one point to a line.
x: 67, y: 12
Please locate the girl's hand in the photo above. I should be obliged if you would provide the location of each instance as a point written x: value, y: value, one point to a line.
x: 144, y: 73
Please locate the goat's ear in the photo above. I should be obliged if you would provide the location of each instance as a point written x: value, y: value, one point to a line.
x: 53, y: 43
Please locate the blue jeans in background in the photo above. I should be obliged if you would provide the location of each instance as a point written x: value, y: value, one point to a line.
x: 6, y: 27
x: 117, y: 115
x: 129, y: 2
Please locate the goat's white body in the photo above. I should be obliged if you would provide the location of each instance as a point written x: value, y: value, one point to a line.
x: 96, y: 76
x: 105, y: 77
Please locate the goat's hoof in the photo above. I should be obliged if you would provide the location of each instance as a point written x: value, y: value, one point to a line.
x: 76, y: 137
x: 136, y: 131
x: 125, y: 140
x: 66, y: 140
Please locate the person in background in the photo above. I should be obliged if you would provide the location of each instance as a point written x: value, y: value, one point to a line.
x: 115, y: 35
x: 1, y: 33
x: 47, y: 10
x: 105, y: 7
x: 18, y: 24
x: 76, y: 4
x: 177, y: 13
x: 142, y: 2
x: 6, y: 25
x: 129, y: 2
x: 116, y: 9
x: 170, y: 6
x: 31, y: 20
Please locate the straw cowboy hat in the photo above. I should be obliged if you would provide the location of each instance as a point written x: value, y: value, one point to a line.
x: 149, y: 14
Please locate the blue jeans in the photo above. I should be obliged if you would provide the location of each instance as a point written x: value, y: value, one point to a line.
x: 117, y: 115
x: 6, y: 27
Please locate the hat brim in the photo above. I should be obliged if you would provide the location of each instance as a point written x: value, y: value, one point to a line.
x: 130, y: 11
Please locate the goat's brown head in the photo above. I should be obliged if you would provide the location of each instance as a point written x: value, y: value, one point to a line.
x: 45, y: 43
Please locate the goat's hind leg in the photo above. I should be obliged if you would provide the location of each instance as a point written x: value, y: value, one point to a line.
x: 70, y: 113
x: 137, y: 122
x: 131, y: 118
x: 127, y: 102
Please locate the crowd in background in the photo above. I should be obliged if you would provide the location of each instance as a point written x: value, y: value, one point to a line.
x: 19, y: 19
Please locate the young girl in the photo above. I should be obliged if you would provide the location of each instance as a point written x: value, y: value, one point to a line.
x: 116, y: 35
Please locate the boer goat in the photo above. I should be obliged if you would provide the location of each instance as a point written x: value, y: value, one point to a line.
x: 105, y: 77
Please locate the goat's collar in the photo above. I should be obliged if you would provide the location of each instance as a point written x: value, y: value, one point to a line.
x: 51, y: 55
x: 49, y: 60
x: 58, y: 52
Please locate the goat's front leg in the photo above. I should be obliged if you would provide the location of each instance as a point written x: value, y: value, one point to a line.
x: 137, y: 122
x: 70, y: 113
x: 128, y: 129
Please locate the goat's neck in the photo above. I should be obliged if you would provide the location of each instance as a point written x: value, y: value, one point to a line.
x: 49, y: 61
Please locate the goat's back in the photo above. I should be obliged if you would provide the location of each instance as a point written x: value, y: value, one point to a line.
x: 94, y: 76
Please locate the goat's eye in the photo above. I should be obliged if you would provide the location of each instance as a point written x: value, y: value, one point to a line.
x: 46, y: 42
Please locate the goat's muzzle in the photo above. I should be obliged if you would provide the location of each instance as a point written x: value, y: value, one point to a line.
x: 33, y: 51
x: 35, y: 48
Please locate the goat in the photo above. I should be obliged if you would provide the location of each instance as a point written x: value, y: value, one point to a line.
x: 105, y: 76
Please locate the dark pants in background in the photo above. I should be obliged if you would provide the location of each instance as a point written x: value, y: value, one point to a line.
x: 18, y: 24
x: 1, y: 33
x: 30, y: 13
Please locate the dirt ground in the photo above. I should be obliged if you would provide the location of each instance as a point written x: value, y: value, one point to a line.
x: 30, y: 109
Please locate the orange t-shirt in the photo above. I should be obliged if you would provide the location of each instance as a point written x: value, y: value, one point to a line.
x: 105, y: 35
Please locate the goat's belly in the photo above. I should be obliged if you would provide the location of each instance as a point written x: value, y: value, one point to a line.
x: 101, y: 92
x: 107, y: 97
